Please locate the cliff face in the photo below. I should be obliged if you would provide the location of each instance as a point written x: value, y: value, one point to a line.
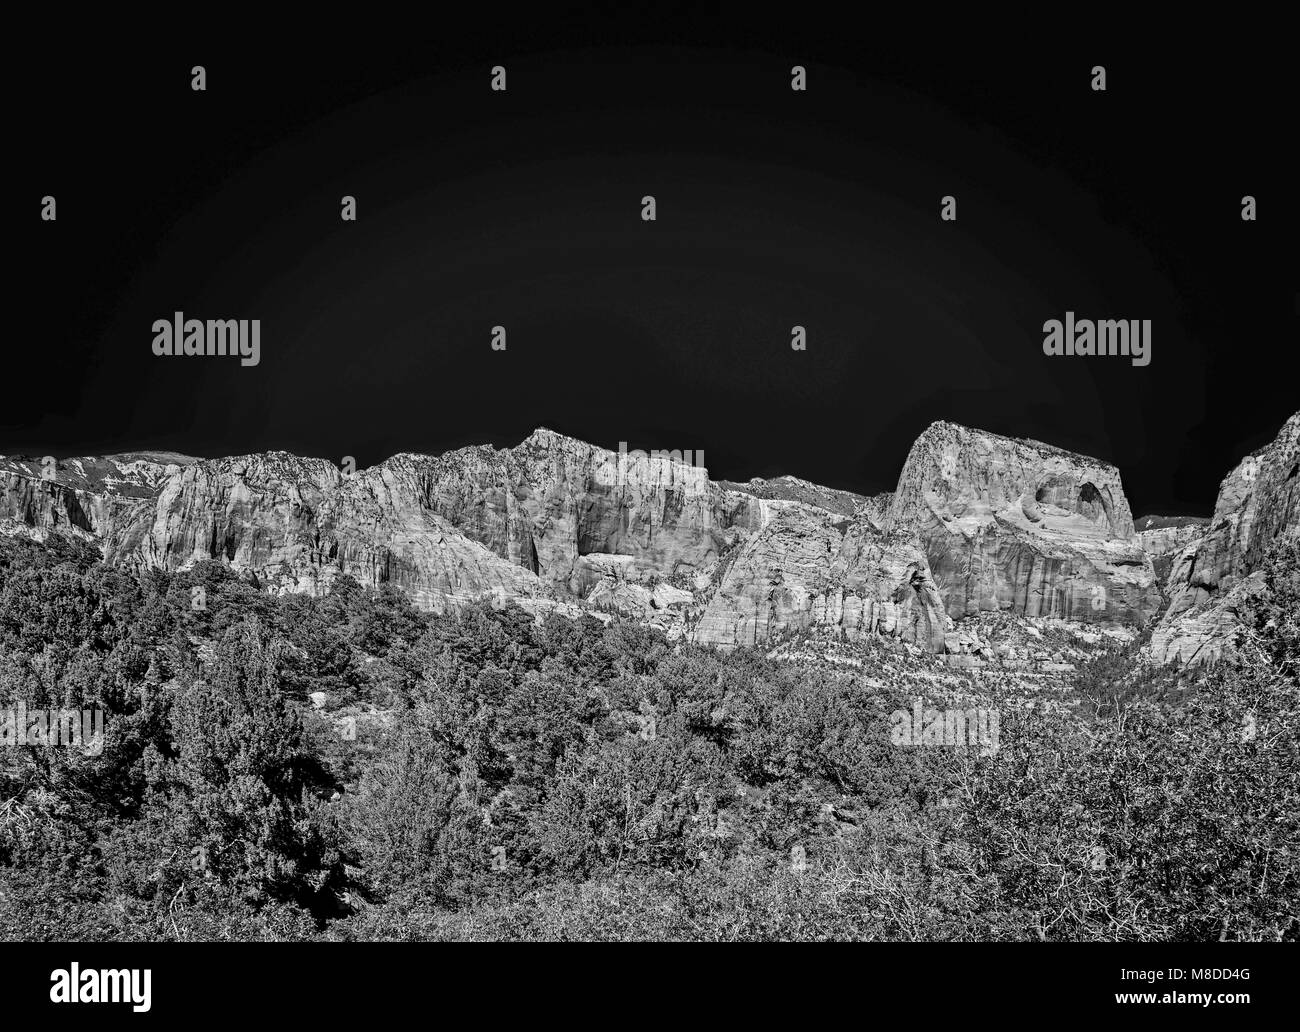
x: 1162, y: 538
x: 552, y: 501
x: 978, y: 523
x: 810, y: 567
x: 1259, y: 502
x: 1022, y: 527
x: 254, y: 511
x: 535, y: 519
x: 87, y: 497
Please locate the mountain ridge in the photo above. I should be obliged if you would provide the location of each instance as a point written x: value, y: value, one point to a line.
x: 978, y: 523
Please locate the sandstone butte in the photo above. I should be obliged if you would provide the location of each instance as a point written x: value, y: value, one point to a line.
x: 978, y: 523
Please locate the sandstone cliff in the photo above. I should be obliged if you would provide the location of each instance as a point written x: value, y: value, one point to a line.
x: 85, y: 497
x: 979, y: 523
x: 1259, y: 502
x: 1163, y: 537
x: 1021, y: 527
x: 806, y: 567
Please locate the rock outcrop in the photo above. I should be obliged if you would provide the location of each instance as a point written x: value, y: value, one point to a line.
x: 792, y: 489
x: 542, y: 520
x: 552, y: 501
x: 1021, y: 527
x: 257, y: 512
x: 1210, y: 578
x: 86, y: 497
x: 808, y: 568
x: 1163, y: 537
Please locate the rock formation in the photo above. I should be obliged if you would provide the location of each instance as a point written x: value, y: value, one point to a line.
x: 1021, y: 527
x: 792, y: 489
x: 100, y: 499
x: 1163, y: 537
x: 1259, y: 502
x: 806, y: 567
x: 979, y: 523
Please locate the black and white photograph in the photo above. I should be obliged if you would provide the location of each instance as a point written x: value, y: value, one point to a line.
x: 679, y: 473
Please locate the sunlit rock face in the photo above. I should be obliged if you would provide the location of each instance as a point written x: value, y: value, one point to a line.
x: 90, y: 497
x: 535, y: 519
x: 1019, y: 526
x: 257, y: 512
x: 808, y: 567
x: 792, y: 489
x: 979, y: 523
x: 472, y: 523
x: 1214, y: 575
x: 1163, y: 537
x: 550, y: 502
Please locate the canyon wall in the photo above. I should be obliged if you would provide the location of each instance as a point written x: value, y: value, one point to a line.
x: 1212, y: 576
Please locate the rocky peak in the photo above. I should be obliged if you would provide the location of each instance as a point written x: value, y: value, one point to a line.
x: 788, y: 488
x: 968, y: 475
x: 265, y: 468
x: 1018, y: 526
x: 1213, y: 574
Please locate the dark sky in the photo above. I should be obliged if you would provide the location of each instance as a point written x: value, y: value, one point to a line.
x: 775, y: 208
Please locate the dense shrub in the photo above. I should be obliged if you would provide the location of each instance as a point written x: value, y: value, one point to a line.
x: 482, y: 775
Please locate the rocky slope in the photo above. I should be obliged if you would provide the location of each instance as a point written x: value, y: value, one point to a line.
x: 1210, y: 578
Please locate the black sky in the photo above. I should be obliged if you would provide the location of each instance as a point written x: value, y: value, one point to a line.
x: 775, y: 208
